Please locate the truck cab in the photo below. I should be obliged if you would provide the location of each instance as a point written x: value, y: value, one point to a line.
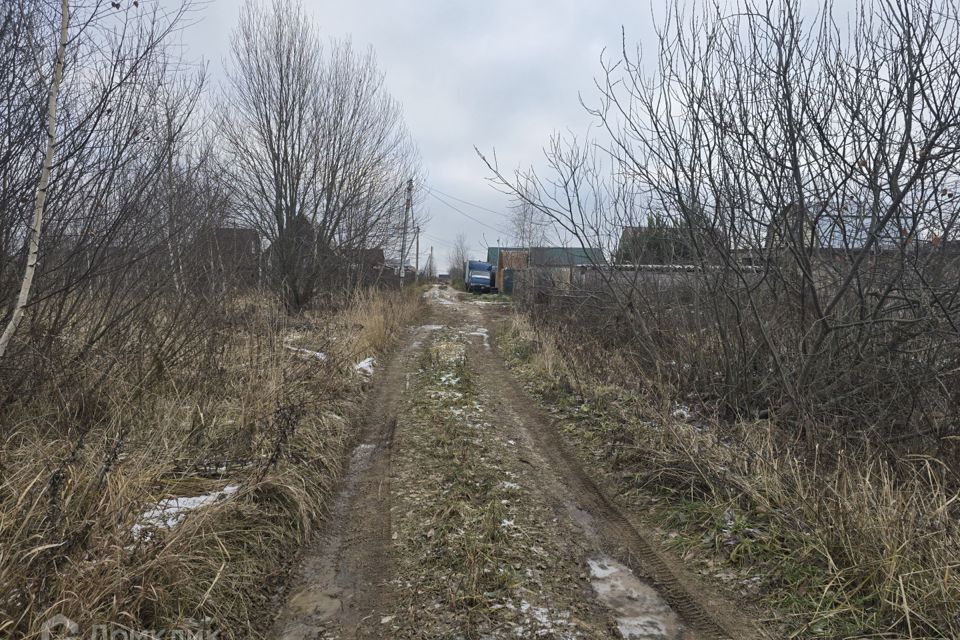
x: 478, y: 277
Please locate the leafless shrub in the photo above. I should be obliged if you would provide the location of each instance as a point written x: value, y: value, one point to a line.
x: 808, y: 169
x: 842, y: 542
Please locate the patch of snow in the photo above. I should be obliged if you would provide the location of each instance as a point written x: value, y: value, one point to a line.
x: 542, y: 623
x: 171, y: 511
x: 366, y: 366
x: 446, y: 395
x: 432, y: 327
x: 361, y: 453
x: 509, y: 485
x: 600, y: 570
x: 306, y: 354
x: 435, y: 295
x: 480, y: 331
x: 681, y: 412
x: 449, y: 380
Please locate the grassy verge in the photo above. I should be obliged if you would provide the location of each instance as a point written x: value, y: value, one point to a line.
x: 95, y: 517
x: 837, y: 544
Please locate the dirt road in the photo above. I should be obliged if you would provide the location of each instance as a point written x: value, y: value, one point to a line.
x: 463, y: 514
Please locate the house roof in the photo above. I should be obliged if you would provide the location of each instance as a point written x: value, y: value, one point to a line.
x: 493, y: 253
x: 830, y: 227
x: 370, y: 257
x: 564, y: 256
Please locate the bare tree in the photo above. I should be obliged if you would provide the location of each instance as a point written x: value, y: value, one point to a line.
x: 97, y: 259
x: 814, y: 197
x: 43, y: 183
x: 530, y: 226
x: 318, y: 151
x: 458, y: 256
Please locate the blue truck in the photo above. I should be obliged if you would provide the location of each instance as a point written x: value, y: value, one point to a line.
x: 478, y: 277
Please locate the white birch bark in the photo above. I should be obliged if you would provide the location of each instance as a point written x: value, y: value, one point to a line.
x: 41, y: 196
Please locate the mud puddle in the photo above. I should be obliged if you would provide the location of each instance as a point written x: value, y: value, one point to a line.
x: 640, y: 612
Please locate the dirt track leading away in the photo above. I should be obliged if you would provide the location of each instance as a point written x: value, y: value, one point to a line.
x: 464, y: 514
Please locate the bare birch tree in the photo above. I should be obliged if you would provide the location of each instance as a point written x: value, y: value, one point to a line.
x: 42, y: 184
x: 93, y: 258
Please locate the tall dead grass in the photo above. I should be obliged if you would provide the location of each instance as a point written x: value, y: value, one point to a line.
x: 259, y: 415
x: 841, y: 541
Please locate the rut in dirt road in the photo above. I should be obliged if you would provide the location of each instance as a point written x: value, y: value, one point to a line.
x: 463, y: 515
x: 342, y: 579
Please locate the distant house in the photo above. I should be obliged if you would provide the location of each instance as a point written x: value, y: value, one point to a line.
x: 231, y: 255
x: 365, y: 259
x: 493, y: 253
x: 507, y: 261
x: 653, y: 244
x: 553, y: 263
x: 555, y: 267
x: 552, y: 257
x: 393, y: 265
x: 352, y: 267
x: 831, y: 229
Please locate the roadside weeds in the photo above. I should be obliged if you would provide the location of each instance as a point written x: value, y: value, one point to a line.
x: 844, y: 545
x: 183, y: 504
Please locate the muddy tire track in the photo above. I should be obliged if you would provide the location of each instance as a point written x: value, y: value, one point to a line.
x: 701, y: 611
x: 578, y: 496
x: 342, y: 584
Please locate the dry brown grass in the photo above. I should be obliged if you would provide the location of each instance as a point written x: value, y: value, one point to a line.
x: 79, y: 470
x: 839, y: 542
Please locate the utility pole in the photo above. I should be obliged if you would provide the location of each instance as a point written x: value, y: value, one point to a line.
x: 403, y: 236
x: 416, y: 276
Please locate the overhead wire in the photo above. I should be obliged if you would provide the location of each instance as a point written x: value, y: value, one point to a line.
x: 466, y: 202
x: 467, y: 215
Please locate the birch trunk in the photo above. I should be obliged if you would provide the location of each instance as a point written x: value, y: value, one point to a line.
x: 41, y: 196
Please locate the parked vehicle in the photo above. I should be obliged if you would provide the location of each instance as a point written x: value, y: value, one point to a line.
x: 478, y: 277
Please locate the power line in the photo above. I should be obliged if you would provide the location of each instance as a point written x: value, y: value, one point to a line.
x: 438, y: 241
x: 466, y: 202
x: 467, y: 215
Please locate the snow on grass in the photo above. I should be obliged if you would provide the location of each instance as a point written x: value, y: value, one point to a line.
x: 539, y: 622
x: 480, y: 331
x: 435, y: 295
x: 306, y: 354
x: 681, y: 412
x: 170, y: 512
x: 366, y: 366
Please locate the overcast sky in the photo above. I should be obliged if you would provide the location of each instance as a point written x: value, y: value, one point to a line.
x: 497, y: 74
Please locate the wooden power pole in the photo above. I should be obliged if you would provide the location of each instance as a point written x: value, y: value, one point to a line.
x: 416, y: 275
x: 407, y: 206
